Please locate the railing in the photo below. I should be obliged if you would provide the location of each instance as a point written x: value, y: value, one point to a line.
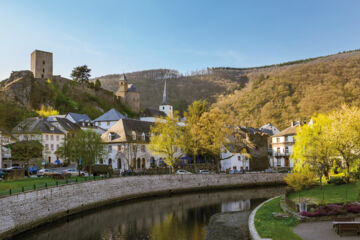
x: 49, y: 184
x: 281, y: 154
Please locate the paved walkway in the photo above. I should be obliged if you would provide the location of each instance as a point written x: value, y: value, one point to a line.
x: 322, y: 230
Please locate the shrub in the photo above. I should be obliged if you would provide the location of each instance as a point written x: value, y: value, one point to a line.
x: 353, y: 208
x: 337, y: 180
x: 299, y: 181
x: 99, y: 169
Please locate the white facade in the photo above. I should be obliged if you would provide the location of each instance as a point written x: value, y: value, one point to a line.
x: 282, y: 148
x: 50, y: 141
x: 167, y: 109
x: 234, y: 161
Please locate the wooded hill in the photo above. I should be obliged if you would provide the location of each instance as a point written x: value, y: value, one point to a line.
x: 22, y: 94
x: 278, y: 93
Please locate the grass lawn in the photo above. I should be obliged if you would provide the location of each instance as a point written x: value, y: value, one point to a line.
x: 270, y: 227
x: 28, y: 184
x: 328, y: 194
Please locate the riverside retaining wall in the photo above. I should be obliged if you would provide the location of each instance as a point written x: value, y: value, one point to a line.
x: 27, y: 210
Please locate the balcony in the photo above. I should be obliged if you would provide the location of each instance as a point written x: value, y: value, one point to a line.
x: 282, y: 154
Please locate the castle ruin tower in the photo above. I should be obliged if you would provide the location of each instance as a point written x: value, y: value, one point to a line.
x: 123, y: 88
x: 42, y: 64
x: 165, y: 106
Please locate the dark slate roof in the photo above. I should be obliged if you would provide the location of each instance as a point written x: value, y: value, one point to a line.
x: 132, y: 88
x: 79, y: 117
x: 288, y: 131
x: 111, y: 115
x: 138, y: 127
x: 66, y: 124
x: 35, y: 125
x: 149, y: 112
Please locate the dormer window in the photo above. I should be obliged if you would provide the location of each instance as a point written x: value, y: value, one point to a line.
x: 110, y: 136
x: 52, y: 128
x: 143, y: 136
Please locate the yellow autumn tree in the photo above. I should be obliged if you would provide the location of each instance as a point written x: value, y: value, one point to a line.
x: 166, y: 138
x: 46, y: 111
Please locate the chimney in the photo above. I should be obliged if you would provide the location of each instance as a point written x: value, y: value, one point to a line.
x: 292, y: 123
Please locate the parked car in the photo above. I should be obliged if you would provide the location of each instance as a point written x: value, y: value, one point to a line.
x: 182, y: 172
x: 45, y: 172
x: 204, y: 171
x: 75, y: 172
x: 234, y: 171
x: 2, y: 173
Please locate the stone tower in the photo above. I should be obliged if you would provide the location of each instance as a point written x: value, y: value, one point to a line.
x: 165, y: 106
x: 123, y: 88
x: 42, y: 64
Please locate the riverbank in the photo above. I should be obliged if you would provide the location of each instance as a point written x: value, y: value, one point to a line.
x: 27, y: 210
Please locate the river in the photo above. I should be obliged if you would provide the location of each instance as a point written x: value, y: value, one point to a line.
x: 178, y: 217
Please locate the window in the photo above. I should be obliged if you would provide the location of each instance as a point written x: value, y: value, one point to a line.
x: 42, y: 76
x: 110, y: 161
x: 57, y: 146
x: 286, y: 149
x: 47, y: 146
x: 52, y: 146
x: 57, y: 138
x: 109, y: 148
x: 239, y: 158
x: 278, y: 140
x: 43, y: 70
x: 278, y: 150
x: 110, y: 136
x: 47, y: 137
x: 108, y: 123
x: 143, y: 148
x: 143, y: 136
x: 43, y: 62
x: 52, y: 137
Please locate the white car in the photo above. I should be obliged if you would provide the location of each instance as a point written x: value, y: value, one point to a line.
x: 44, y: 172
x: 75, y: 172
x: 182, y: 172
x: 202, y: 171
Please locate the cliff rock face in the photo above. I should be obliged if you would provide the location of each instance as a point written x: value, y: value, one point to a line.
x: 17, y: 88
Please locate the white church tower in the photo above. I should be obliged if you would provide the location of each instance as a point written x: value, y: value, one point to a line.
x: 165, y: 107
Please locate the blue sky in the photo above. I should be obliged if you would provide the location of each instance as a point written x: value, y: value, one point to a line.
x: 122, y: 36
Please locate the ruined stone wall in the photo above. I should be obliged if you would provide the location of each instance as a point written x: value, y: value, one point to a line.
x: 27, y: 210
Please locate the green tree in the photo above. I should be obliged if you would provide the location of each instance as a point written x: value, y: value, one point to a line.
x: 86, y: 145
x: 192, y: 136
x: 24, y: 151
x: 345, y: 136
x: 97, y: 84
x: 313, y: 146
x: 166, y: 138
x: 81, y: 74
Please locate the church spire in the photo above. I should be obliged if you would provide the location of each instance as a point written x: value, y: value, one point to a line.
x: 164, y: 94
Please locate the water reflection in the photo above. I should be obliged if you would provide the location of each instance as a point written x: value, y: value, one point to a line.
x: 180, y: 217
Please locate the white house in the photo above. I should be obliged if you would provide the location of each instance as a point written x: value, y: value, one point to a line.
x: 43, y: 131
x: 282, y: 146
x: 108, y: 119
x: 234, y: 159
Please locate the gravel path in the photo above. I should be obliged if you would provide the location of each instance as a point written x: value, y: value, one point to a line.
x: 322, y: 231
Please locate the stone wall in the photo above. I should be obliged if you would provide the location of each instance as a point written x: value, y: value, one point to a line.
x: 27, y: 210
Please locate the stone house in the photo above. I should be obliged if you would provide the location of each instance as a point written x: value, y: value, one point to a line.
x: 282, y: 146
x: 126, y: 145
x: 6, y: 138
x: 128, y: 94
x: 39, y: 129
x: 108, y: 119
x: 247, y: 148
